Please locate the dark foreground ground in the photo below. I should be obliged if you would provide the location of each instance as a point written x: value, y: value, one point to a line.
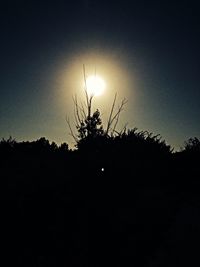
x: 63, y: 210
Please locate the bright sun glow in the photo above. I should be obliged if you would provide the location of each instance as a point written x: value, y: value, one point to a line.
x: 95, y: 85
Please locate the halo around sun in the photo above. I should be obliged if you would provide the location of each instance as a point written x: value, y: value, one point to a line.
x: 95, y: 85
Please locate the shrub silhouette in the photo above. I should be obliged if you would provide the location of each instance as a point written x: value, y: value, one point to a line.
x: 192, y: 145
x: 6, y: 145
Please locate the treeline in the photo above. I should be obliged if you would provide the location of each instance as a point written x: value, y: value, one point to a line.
x: 139, y: 140
x: 128, y: 152
x: 134, y: 144
x: 41, y: 145
x: 114, y: 199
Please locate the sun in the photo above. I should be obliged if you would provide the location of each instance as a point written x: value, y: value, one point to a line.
x: 95, y: 85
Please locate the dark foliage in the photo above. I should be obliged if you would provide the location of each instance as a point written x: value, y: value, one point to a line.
x: 91, y: 126
x: 122, y: 200
x: 192, y: 145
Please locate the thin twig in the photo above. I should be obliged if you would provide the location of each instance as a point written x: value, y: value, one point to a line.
x: 76, y: 109
x: 110, y: 116
x: 85, y: 88
x: 71, y: 131
x: 116, y: 116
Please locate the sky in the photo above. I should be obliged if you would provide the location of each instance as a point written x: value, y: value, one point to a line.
x: 146, y: 51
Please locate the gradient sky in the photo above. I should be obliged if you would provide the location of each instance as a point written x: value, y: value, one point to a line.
x: 147, y: 51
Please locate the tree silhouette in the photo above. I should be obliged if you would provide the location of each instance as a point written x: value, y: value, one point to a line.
x: 88, y: 123
x: 92, y: 126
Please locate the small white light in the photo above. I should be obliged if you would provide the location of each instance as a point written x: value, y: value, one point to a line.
x: 102, y: 169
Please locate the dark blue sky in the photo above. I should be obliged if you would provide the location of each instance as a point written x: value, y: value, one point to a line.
x: 156, y: 42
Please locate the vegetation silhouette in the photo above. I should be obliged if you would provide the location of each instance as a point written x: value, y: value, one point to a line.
x: 115, y: 199
x: 121, y: 198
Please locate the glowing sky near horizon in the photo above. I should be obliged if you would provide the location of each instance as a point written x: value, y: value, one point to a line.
x: 147, y: 52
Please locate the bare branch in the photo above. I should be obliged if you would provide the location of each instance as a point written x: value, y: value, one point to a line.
x: 77, y: 115
x: 83, y: 111
x: 85, y: 88
x: 110, y: 116
x: 116, y: 122
x: 80, y: 111
x: 71, y: 131
x: 124, y: 101
x: 115, y: 118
